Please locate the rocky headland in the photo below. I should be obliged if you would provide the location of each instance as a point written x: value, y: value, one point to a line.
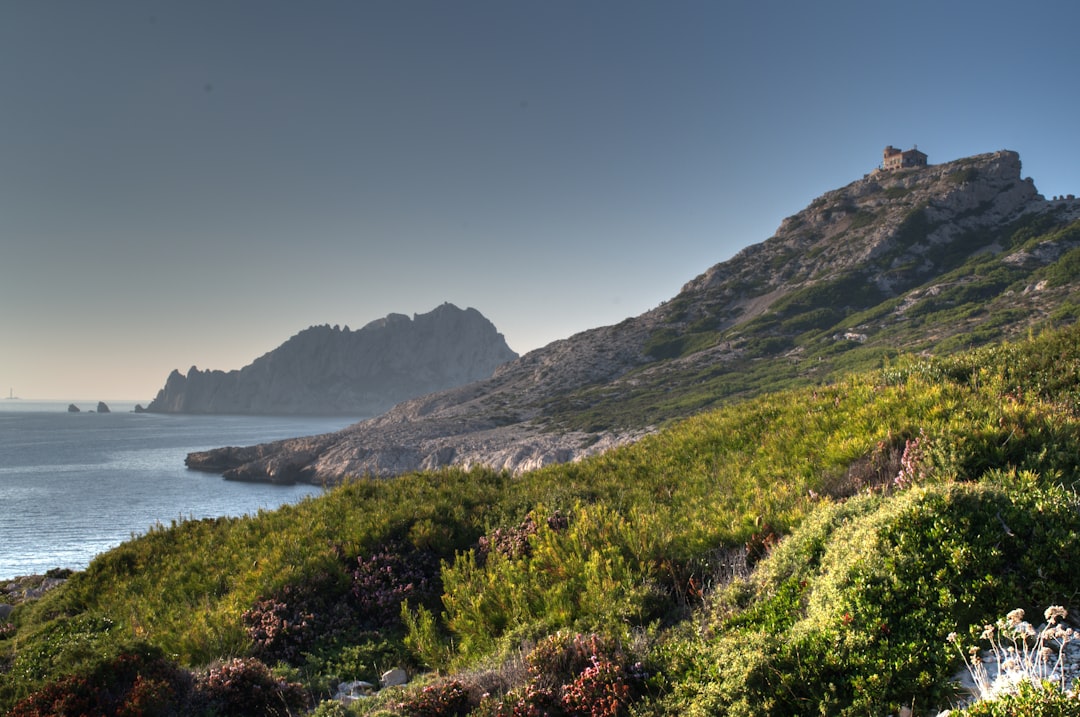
x: 327, y: 370
x: 900, y: 260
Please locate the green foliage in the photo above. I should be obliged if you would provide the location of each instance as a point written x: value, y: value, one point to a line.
x: 927, y: 494
x: 1065, y: 270
x: 852, y: 290
x: 585, y: 577
x: 879, y: 584
x: 1030, y: 701
x: 669, y: 343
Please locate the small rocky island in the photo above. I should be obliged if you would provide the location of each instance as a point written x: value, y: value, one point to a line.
x: 102, y: 407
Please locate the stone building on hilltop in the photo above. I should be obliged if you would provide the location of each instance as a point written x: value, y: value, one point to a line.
x: 900, y: 159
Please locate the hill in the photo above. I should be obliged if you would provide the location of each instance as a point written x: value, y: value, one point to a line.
x: 335, y: 371
x: 804, y: 552
x: 937, y: 258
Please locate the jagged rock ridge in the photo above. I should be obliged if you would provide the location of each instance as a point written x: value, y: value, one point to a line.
x: 327, y: 370
x: 936, y: 258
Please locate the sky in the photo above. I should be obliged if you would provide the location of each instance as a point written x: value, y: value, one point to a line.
x: 193, y: 182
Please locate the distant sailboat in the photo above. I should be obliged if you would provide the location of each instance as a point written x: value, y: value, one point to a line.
x: 11, y: 395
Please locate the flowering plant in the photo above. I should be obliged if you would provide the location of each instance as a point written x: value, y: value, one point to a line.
x: 1019, y: 654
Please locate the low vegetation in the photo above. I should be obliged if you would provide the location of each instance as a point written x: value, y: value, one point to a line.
x: 804, y: 552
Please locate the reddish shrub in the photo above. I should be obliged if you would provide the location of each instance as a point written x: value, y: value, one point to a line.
x: 391, y: 575
x: 138, y: 682
x: 603, y: 689
x: 285, y: 625
x: 514, y: 542
x: 559, y: 658
x: 446, y: 699
x: 245, y: 686
x: 530, y: 701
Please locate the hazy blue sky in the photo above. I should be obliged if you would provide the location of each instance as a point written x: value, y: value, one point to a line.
x: 193, y: 182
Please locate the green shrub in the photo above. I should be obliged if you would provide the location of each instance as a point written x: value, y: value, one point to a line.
x: 850, y: 615
x: 1031, y: 701
x: 589, y: 575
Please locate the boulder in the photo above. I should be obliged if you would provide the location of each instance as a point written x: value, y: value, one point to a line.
x: 391, y: 678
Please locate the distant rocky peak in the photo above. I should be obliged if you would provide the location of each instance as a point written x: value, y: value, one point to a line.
x: 331, y: 371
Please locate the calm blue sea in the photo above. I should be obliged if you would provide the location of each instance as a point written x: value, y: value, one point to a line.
x: 75, y: 484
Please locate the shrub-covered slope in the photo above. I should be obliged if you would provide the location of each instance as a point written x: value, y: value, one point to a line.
x: 803, y: 552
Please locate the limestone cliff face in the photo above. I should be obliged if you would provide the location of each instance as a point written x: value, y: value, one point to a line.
x: 903, y: 260
x: 884, y: 227
x: 332, y: 371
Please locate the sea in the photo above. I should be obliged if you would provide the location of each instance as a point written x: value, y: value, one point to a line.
x: 73, y: 485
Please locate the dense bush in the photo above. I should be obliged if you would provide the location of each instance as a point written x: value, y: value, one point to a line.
x: 242, y: 687
x: 1029, y: 701
x: 136, y: 682
x: 142, y: 683
x: 571, y: 675
x: 878, y: 584
x: 284, y: 626
x: 445, y: 699
x: 391, y: 575
x: 514, y: 542
x: 592, y: 575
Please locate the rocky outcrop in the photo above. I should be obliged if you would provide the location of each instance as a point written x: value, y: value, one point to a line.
x: 72, y: 408
x: 840, y: 280
x: 333, y: 371
x: 102, y: 407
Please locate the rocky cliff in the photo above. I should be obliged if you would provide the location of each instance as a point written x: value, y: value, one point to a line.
x: 327, y: 370
x: 928, y: 259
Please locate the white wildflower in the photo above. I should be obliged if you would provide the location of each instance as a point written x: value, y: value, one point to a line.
x: 1055, y: 613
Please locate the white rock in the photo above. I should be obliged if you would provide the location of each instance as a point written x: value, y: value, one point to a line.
x: 396, y: 676
x: 349, y: 692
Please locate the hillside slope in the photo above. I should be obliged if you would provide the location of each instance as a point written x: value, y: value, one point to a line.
x: 941, y: 258
x: 334, y: 371
x: 804, y: 552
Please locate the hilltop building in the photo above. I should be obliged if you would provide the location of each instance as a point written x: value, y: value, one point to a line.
x: 899, y: 159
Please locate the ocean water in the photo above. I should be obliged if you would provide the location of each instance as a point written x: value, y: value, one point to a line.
x: 73, y: 485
